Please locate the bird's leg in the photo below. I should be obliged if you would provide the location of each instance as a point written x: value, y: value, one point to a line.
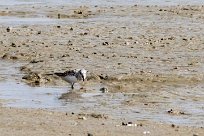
x: 72, y: 85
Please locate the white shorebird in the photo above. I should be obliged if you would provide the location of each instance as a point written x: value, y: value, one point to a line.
x: 72, y: 76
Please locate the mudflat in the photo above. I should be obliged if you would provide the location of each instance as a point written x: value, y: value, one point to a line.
x: 151, y: 54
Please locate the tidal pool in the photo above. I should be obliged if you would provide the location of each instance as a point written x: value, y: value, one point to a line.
x: 147, y: 105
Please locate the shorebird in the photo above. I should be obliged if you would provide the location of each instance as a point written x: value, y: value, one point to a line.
x: 72, y: 76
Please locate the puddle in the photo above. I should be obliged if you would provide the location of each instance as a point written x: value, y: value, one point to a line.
x: 151, y: 105
x: 23, y: 21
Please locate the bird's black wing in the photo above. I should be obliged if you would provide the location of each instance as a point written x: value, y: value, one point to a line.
x: 69, y: 72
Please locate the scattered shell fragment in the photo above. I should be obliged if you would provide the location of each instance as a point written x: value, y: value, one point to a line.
x: 129, y: 124
x: 83, y: 118
x: 146, y: 132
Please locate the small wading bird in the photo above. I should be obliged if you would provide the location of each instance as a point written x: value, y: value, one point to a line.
x: 72, y: 76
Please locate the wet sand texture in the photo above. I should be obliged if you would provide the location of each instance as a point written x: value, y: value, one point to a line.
x: 152, y: 55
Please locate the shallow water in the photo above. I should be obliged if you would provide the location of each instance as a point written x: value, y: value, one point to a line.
x: 15, y: 21
x: 152, y: 105
x: 103, y: 2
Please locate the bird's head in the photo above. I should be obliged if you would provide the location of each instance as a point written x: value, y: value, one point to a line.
x: 83, y: 73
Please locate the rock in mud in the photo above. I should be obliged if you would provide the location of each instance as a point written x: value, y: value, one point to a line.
x: 33, y: 78
x: 8, y: 29
x: 103, y: 77
x: 82, y: 118
x: 104, y: 90
x: 13, y: 45
x: 13, y: 57
x: 5, y: 56
x: 175, y: 112
x: 89, y: 134
x: 94, y: 115
x: 129, y: 124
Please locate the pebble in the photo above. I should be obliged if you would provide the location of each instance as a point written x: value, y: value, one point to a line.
x: 13, y: 45
x: 39, y: 32
x: 59, y: 16
x: 83, y: 118
x: 127, y: 43
x: 104, y: 90
x: 175, y: 112
x: 8, y: 29
x: 103, y: 77
x: 89, y: 134
x: 129, y: 124
x: 105, y: 43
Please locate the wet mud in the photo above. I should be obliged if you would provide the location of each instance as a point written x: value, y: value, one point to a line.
x: 144, y: 62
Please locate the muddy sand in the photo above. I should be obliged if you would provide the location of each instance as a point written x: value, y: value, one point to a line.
x: 152, y: 54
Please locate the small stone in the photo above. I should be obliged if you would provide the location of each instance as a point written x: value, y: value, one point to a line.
x: 58, y: 16
x: 83, y: 118
x: 175, y: 68
x: 104, y: 90
x: 94, y: 115
x: 103, y: 77
x: 127, y: 43
x: 175, y: 112
x: 185, y: 39
x: 13, y: 57
x: 39, y: 32
x: 13, y: 45
x: 89, y: 134
x: 8, y: 29
x: 124, y: 124
x: 65, y: 55
x: 140, y: 125
x: 170, y: 111
x: 105, y: 43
